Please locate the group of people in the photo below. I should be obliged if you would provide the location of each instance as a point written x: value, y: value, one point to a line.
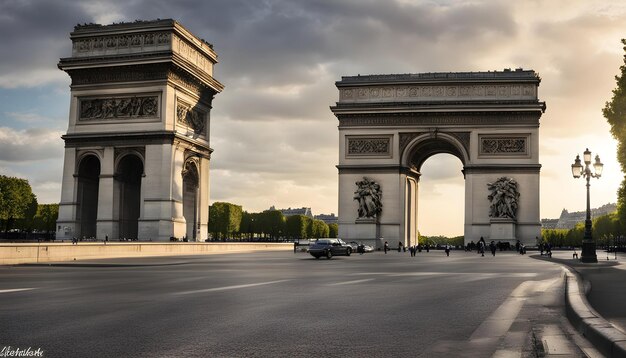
x: 547, y: 248
x: 482, y: 246
x: 414, y: 249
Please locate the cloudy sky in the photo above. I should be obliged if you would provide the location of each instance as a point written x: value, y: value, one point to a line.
x: 275, y: 139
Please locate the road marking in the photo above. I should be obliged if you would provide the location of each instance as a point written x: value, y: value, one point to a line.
x: 225, y: 288
x: 17, y: 289
x: 440, y: 273
x: 350, y: 282
x: 500, y: 321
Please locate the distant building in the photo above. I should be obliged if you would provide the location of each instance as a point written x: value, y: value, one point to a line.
x: 295, y: 211
x: 549, y: 223
x: 568, y: 220
x: 328, y: 219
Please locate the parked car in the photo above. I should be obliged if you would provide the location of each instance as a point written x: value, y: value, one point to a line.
x: 329, y: 248
x: 355, y: 247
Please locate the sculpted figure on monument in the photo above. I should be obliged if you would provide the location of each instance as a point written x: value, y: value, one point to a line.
x: 504, y: 198
x: 368, y: 195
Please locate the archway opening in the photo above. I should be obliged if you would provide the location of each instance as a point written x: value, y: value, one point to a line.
x: 190, y: 199
x: 87, y: 198
x: 128, y: 181
x: 435, y: 189
x: 441, y: 197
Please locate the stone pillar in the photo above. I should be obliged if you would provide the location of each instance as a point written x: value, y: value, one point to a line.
x: 203, y: 202
x: 67, y: 226
x: 106, y: 223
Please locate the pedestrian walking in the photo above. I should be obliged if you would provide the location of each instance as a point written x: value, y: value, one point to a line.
x: 399, y: 246
x: 427, y: 248
x: 492, y: 246
x: 482, y: 245
x: 447, y: 249
x: 386, y: 247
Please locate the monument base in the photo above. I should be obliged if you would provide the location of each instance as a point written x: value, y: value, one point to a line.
x: 363, y: 231
x: 502, y: 229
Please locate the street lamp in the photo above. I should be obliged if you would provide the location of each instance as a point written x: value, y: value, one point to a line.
x: 589, y: 247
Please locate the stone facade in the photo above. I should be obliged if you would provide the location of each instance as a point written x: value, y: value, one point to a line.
x: 390, y: 124
x: 137, y: 147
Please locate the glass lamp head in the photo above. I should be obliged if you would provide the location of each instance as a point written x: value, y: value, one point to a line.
x: 598, y: 166
x: 587, y: 156
x: 577, y: 168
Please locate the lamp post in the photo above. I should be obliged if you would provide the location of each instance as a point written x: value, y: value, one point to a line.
x: 589, y: 246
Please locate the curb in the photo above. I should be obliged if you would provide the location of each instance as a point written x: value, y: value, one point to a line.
x: 601, y: 333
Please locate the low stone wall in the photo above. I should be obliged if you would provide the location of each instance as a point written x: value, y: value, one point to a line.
x: 11, y: 254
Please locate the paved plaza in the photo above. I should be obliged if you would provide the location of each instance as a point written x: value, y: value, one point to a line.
x: 290, y: 305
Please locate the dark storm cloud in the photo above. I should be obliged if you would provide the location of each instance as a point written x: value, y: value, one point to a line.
x: 35, y: 36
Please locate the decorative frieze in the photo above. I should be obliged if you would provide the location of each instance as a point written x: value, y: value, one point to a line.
x: 190, y: 117
x: 505, y: 146
x: 141, y: 42
x: 434, y: 92
x: 411, y: 119
x: 116, y: 42
x: 368, y: 146
x: 92, y: 76
x: 127, y: 107
x: 191, y: 54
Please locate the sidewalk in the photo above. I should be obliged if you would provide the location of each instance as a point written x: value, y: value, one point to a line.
x: 601, y: 317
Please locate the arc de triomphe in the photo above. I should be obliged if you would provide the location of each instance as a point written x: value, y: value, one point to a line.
x: 390, y: 124
x: 137, y: 146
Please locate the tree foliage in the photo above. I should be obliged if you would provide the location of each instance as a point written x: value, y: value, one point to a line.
x: 297, y: 226
x: 333, y: 230
x: 46, y: 217
x: 224, y: 219
x: 615, y: 113
x: 272, y: 223
x: 17, y: 201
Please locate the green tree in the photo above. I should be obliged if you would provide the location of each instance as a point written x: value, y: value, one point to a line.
x: 296, y: 226
x: 224, y: 219
x: 318, y: 229
x: 17, y: 200
x: 272, y: 223
x: 46, y: 217
x: 615, y: 113
x: 333, y: 230
x: 245, y: 228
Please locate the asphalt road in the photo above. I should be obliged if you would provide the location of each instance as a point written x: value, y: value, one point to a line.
x: 281, y: 304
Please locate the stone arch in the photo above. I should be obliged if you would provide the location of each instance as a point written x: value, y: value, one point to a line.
x: 129, y: 171
x: 426, y: 145
x: 191, y: 185
x: 88, y: 177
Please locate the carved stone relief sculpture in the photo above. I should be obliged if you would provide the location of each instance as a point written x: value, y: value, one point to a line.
x: 189, y: 117
x: 368, y: 146
x: 502, y: 145
x: 118, y: 108
x: 369, y: 196
x: 504, y: 198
